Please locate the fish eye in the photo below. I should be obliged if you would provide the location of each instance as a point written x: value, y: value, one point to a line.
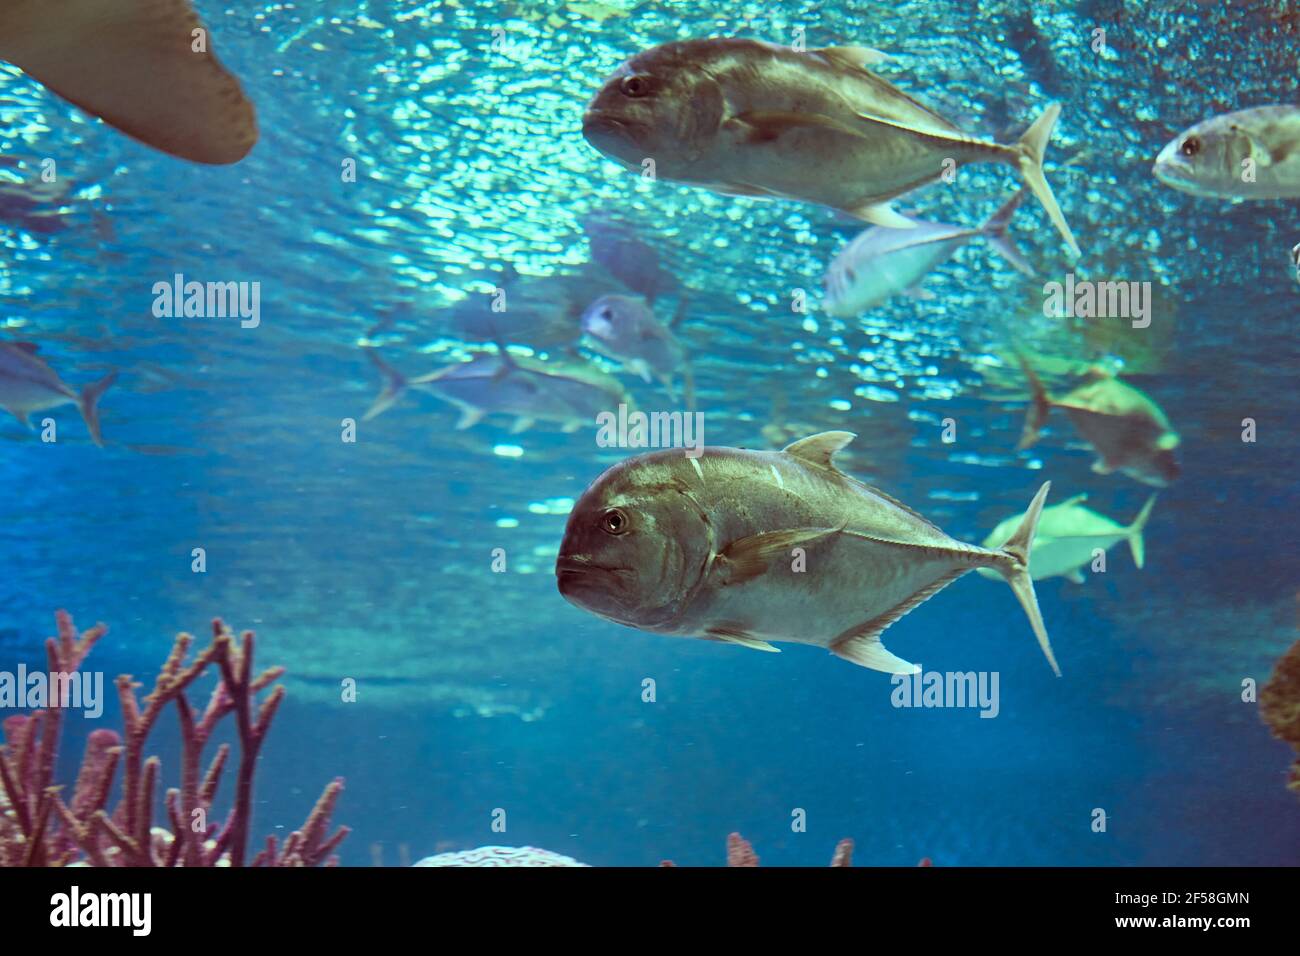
x: 636, y: 85
x: 614, y: 521
x: 1191, y: 146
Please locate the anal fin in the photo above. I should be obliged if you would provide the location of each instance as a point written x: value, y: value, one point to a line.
x: 862, y: 645
x: 866, y: 650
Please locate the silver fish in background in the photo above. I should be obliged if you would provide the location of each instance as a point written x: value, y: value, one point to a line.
x: 710, y: 547
x: 1295, y: 260
x: 1130, y: 433
x: 881, y: 263
x: 624, y: 328
x: 131, y: 63
x: 618, y: 249
x: 28, y: 385
x: 538, y: 311
x: 569, y: 394
x: 1211, y: 158
x: 1069, y: 534
x: 755, y: 119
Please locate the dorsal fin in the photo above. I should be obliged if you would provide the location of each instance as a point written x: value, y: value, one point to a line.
x: 819, y: 449
x: 853, y: 57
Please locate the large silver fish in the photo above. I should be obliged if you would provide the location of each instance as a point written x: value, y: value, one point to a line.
x: 568, y: 393
x: 133, y: 64
x: 881, y: 262
x: 712, y: 547
x: 1130, y: 433
x: 623, y: 327
x: 28, y: 385
x: 1249, y: 154
x: 756, y: 119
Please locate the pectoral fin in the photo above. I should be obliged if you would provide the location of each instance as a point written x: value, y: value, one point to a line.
x: 766, y: 127
x: 469, y: 417
x: 1074, y: 575
x: 747, y: 558
x: 734, y: 635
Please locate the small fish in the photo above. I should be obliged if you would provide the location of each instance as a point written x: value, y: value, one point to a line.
x: 631, y: 260
x: 712, y: 547
x: 132, y: 63
x: 750, y: 118
x: 622, y: 327
x: 1129, y: 431
x: 567, y: 393
x: 1295, y: 260
x: 881, y: 262
x: 1249, y: 154
x: 1068, y: 536
x: 29, y: 385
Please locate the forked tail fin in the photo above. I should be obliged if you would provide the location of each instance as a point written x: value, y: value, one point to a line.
x: 1039, y: 405
x: 1135, y: 543
x: 89, y: 405
x: 995, y: 231
x: 1030, y: 150
x: 394, y: 386
x: 1016, y: 571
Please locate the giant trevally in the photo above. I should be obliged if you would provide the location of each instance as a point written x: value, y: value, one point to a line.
x: 1249, y: 154
x: 755, y: 546
x: 29, y: 385
x: 1069, y: 535
x: 568, y: 393
x: 1128, y: 430
x: 139, y: 65
x: 756, y: 119
x: 624, y: 328
x: 882, y: 262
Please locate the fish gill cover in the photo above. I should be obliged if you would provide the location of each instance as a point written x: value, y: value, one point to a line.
x: 421, y: 192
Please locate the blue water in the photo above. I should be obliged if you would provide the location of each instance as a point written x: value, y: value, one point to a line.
x: 481, y: 690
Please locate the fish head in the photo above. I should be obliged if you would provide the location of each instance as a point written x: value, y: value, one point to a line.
x: 838, y: 289
x: 611, y: 317
x: 662, y: 104
x: 1206, y: 160
x: 636, y: 544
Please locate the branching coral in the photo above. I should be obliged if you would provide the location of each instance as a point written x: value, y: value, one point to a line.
x: 1279, y: 705
x: 39, y: 828
x: 740, y: 852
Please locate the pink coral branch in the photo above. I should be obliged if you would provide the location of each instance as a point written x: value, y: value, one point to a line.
x: 38, y: 828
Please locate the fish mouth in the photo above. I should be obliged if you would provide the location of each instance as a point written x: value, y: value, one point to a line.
x: 610, y: 134
x: 577, y: 576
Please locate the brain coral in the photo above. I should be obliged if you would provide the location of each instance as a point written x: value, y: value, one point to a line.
x: 500, y: 856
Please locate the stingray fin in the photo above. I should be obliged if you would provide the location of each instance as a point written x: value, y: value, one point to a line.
x: 143, y: 66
